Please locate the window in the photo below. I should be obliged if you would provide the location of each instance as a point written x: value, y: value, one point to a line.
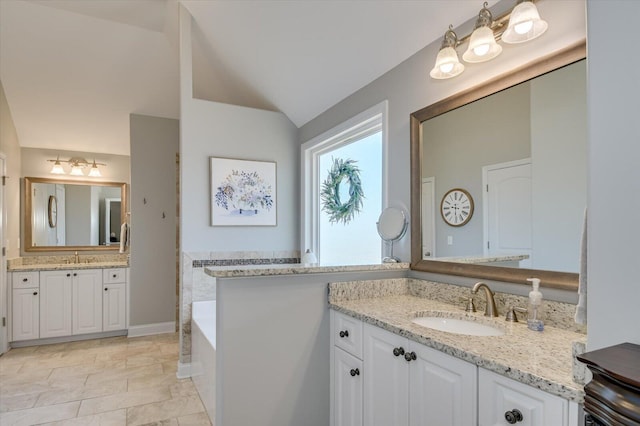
x: 345, y: 239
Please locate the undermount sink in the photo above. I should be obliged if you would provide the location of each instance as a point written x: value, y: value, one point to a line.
x: 457, y: 326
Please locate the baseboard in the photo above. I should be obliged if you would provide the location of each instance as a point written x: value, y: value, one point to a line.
x: 184, y: 370
x: 64, y: 339
x: 149, y: 329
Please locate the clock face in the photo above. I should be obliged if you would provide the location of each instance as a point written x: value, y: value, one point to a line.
x: 456, y: 207
x: 53, y: 211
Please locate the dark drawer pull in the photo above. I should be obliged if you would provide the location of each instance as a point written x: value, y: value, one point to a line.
x: 410, y: 356
x: 24, y: 280
x: 354, y: 372
x: 398, y: 351
x: 35, y: 293
x: 344, y: 333
x: 514, y: 416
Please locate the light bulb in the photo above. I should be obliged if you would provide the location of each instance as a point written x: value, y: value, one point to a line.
x: 446, y: 68
x: 481, y: 49
x: 76, y: 171
x: 523, y: 27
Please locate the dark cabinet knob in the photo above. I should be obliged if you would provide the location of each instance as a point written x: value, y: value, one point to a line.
x: 35, y: 293
x: 354, y: 372
x: 69, y: 275
x: 344, y: 333
x: 75, y: 275
x: 114, y: 275
x: 24, y: 280
x: 410, y: 356
x: 514, y: 416
x: 106, y: 288
x: 398, y: 351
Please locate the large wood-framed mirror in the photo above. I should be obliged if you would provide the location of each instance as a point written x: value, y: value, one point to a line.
x: 521, y: 122
x: 62, y: 215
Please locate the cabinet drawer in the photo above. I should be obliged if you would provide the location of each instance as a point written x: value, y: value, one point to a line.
x: 348, y: 334
x: 25, y: 279
x: 498, y: 395
x: 114, y: 275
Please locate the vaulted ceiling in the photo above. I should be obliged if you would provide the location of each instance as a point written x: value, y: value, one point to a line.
x: 73, y: 70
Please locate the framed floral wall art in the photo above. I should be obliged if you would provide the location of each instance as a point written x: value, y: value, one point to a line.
x: 243, y: 192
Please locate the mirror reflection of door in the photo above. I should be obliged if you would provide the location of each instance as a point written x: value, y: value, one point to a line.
x: 61, y: 226
x: 112, y: 220
x: 507, y: 197
x: 428, y: 217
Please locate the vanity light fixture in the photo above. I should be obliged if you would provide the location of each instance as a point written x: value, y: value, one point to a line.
x: 447, y: 63
x: 78, y: 164
x: 524, y: 24
x: 482, y: 44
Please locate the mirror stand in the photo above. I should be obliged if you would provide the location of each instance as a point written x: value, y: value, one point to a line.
x: 392, y: 225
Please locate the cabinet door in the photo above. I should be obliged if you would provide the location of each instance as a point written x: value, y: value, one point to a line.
x: 55, y: 303
x: 498, y: 395
x: 25, y: 314
x: 386, y: 382
x: 347, y: 333
x: 442, y: 389
x: 114, y: 307
x: 347, y: 402
x: 87, y: 301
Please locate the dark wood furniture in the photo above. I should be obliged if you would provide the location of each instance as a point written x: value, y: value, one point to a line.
x: 613, y: 396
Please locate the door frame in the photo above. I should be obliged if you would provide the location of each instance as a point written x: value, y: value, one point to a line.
x: 4, y: 288
x: 432, y: 225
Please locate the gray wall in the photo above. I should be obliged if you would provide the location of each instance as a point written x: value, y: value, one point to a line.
x: 614, y: 175
x: 459, y: 143
x: 10, y: 147
x: 154, y: 145
x: 559, y: 166
x: 78, y: 214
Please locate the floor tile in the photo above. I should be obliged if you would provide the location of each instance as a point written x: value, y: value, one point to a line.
x: 82, y: 392
x: 17, y: 402
x: 123, y: 400
x: 176, y: 407
x: 39, y: 415
x: 198, y: 419
x: 111, y: 418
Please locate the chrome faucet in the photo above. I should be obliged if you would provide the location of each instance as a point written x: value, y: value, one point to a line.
x: 490, y: 310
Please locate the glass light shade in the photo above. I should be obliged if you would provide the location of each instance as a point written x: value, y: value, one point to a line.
x: 76, y: 170
x: 447, y: 64
x: 94, y: 171
x: 524, y: 24
x: 482, y: 46
x: 57, y: 168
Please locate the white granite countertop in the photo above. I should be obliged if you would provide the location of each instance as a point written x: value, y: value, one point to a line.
x: 65, y: 266
x: 297, y: 268
x: 540, y: 359
x: 481, y: 259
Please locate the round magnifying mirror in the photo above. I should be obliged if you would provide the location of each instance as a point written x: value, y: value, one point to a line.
x: 392, y: 225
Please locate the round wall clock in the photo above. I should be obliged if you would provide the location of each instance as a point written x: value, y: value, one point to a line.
x: 456, y: 207
x: 53, y: 211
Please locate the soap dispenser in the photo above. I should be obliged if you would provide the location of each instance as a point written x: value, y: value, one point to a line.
x: 534, y: 311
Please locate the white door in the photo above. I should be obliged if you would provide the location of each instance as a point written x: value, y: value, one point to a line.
x: 508, y: 212
x: 386, y: 378
x: 4, y: 338
x: 114, y: 299
x: 347, y: 402
x: 442, y: 389
x: 87, y: 301
x: 428, y: 218
x: 55, y: 303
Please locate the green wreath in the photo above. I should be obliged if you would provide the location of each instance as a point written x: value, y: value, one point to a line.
x: 330, y: 193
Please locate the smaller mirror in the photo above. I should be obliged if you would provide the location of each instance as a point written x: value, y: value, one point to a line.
x: 392, y: 225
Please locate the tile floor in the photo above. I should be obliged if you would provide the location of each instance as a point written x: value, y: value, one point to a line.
x: 114, y: 381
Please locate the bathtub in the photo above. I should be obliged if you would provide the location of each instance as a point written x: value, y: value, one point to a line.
x: 203, y: 353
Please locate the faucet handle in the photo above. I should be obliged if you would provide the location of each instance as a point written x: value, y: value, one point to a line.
x: 511, y: 315
x: 470, y: 306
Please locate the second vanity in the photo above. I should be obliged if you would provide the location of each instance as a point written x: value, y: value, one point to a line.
x: 386, y: 369
x: 53, y: 302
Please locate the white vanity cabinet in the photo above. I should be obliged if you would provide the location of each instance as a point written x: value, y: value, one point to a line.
x: 396, y: 381
x: 114, y: 299
x: 65, y: 303
x: 406, y: 383
x: 501, y: 398
x: 25, y: 305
